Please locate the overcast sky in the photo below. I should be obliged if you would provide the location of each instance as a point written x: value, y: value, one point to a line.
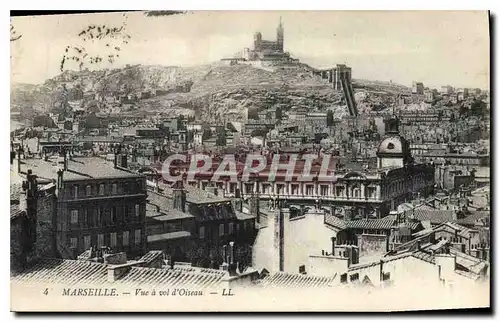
x: 435, y: 47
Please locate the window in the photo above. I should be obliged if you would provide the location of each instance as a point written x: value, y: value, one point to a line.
x: 354, y: 277
x: 100, y: 240
x: 232, y: 187
x: 87, y: 217
x: 73, y: 242
x: 126, y: 237
x: 113, y: 215
x: 371, y: 192
x: 86, y: 242
x: 137, y: 210
x: 88, y: 190
x: 113, y: 240
x: 114, y: 189
x: 295, y: 189
x: 125, y: 213
x: 101, y: 189
x: 280, y: 188
x: 309, y: 190
x: 74, y: 216
x: 201, y: 232
x: 324, y: 190
x: 221, y: 230
x: 390, y: 146
x: 230, y: 226
x: 302, y: 269
x: 137, y: 236
x: 100, y: 211
x: 75, y: 192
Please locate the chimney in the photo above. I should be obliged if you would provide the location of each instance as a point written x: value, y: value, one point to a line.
x: 123, y: 160
x: 115, y: 259
x: 254, y: 207
x: 232, y: 259
x: 115, y: 162
x: 65, y: 160
x: 179, y: 196
x: 19, y: 152
x: 333, y: 245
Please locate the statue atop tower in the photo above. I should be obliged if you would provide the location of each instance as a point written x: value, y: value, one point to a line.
x: 280, y: 39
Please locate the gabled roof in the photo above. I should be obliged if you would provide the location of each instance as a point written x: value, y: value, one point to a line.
x: 378, y: 224
x: 63, y: 271
x: 474, y: 217
x: 161, y: 277
x: 287, y: 280
x: 334, y: 221
x: 434, y: 216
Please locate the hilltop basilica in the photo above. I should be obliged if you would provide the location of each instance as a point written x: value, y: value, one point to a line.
x: 264, y: 52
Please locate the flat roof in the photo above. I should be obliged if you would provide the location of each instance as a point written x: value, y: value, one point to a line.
x: 78, y: 168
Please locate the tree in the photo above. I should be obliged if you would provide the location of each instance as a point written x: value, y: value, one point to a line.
x: 329, y: 118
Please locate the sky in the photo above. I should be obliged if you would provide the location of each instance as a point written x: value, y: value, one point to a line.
x: 435, y: 47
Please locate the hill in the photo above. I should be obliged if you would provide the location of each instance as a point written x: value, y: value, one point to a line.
x: 211, y: 91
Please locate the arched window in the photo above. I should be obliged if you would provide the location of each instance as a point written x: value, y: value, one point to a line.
x: 390, y: 146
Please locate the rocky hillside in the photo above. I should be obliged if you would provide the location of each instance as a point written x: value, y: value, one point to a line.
x: 212, y: 91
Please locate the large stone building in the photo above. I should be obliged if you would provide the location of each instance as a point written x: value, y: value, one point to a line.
x: 95, y: 203
x: 349, y: 190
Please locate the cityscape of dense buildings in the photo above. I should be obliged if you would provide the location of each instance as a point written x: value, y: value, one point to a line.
x: 408, y: 187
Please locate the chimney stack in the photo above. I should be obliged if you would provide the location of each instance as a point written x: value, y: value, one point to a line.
x: 179, y: 196
x: 65, y: 160
x: 19, y: 153
x: 333, y: 245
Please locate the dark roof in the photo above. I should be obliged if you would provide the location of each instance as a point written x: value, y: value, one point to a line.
x: 78, y: 168
x: 167, y: 211
x: 287, y: 280
x: 16, y: 212
x: 434, y: 216
x: 168, y: 236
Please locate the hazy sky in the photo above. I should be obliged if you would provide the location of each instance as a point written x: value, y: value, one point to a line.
x: 435, y: 47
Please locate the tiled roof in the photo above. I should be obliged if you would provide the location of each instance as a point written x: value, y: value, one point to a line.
x: 15, y: 191
x: 151, y: 256
x: 67, y: 272
x: 434, y: 216
x: 287, y: 280
x: 474, y: 217
x: 168, y: 236
x: 156, y: 277
x: 470, y: 262
x: 15, y: 211
x: 383, y: 223
x: 334, y: 221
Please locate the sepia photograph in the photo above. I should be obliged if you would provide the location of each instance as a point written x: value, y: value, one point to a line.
x: 250, y: 161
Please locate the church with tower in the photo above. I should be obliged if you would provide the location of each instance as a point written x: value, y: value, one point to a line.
x: 264, y: 52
